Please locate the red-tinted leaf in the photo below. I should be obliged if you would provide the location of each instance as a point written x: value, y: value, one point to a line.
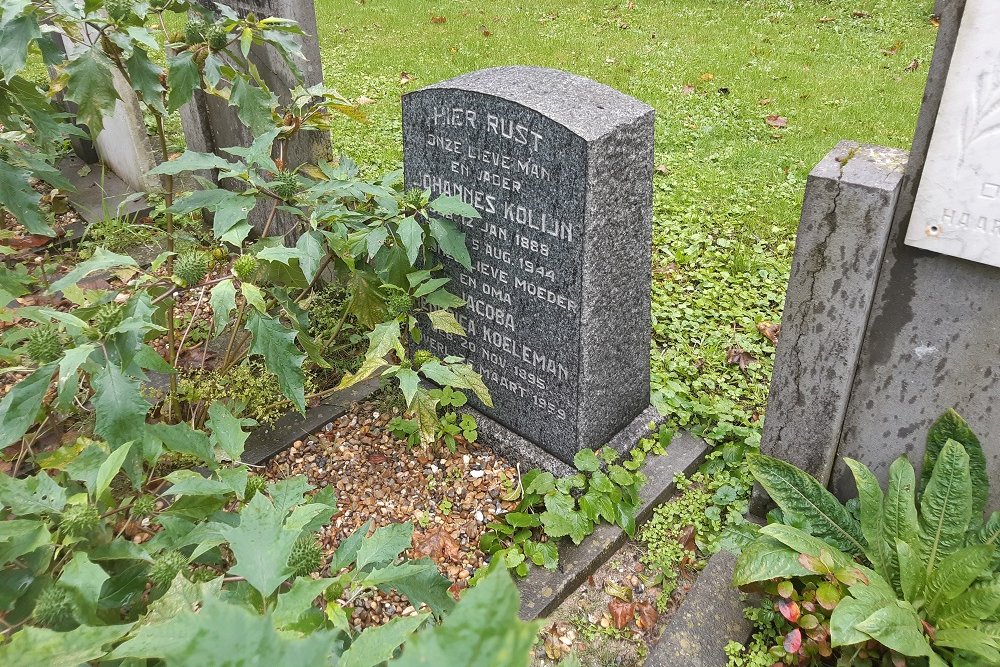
x: 621, y: 612
x: 813, y: 564
x: 776, y: 121
x: 786, y: 589
x: 790, y: 610
x: 793, y: 641
x: 437, y: 544
x: 647, y: 615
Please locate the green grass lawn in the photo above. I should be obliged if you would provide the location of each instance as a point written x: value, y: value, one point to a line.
x: 729, y: 185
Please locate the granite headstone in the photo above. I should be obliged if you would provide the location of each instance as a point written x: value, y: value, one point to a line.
x: 558, y: 298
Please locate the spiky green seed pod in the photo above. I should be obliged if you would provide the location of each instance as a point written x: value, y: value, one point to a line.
x: 217, y: 37
x: 4, y: 153
x: 80, y: 520
x: 245, y: 268
x: 285, y: 184
x: 194, y: 32
x: 44, y: 344
x: 414, y: 199
x: 118, y: 10
x: 306, y: 556
x: 191, y: 267
x: 144, y: 506
x: 421, y: 357
x: 399, y: 303
x: 255, y: 484
x: 165, y: 567
x: 200, y: 575
x: 54, y: 609
x: 107, y: 317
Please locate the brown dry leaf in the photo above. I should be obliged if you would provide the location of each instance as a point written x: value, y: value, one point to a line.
x: 935, y: 21
x: 913, y: 66
x: 377, y: 458
x: 764, y: 102
x: 769, y: 330
x: 826, y: 19
x: 619, y: 591
x: 687, y: 90
x: 438, y: 545
x: 858, y: 14
x: 777, y: 121
x: 707, y: 76
x: 486, y: 33
x: 405, y: 78
x: 662, y: 169
x: 737, y: 356
x: 647, y: 616
x: 894, y: 50
x: 438, y: 20
x: 622, y: 613
x: 361, y: 101
x: 687, y: 539
x: 30, y: 241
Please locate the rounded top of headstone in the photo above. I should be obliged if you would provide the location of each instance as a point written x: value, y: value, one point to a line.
x: 584, y: 106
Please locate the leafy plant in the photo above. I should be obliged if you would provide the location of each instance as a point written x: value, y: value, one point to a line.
x: 571, y: 506
x: 933, y: 589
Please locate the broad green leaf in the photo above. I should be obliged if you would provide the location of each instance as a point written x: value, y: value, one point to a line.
x: 16, y: 36
x: 419, y: 581
x: 20, y: 407
x: 226, y: 634
x: 474, y: 381
x: 483, y: 630
x: 191, y: 483
x: 543, y: 554
x: 293, y: 603
x: 898, y: 517
x: 979, y: 602
x: 848, y: 613
x: 586, y: 461
x: 561, y: 519
x: 195, y: 161
x: 427, y: 419
x: 67, y: 383
x: 18, y: 197
x: 385, y: 545
x: 119, y: 405
x: 945, y: 506
x: 261, y: 545
x: 871, y: 499
x: 183, y: 439
x: 40, y: 646
x: 408, y: 383
x: 898, y: 627
x: 227, y: 430
x: 145, y: 77
x: 445, y: 321
x: 766, y: 558
x: 412, y: 236
x: 450, y: 240
x: 222, y: 299
x: 798, y: 493
x: 347, y: 552
x: 103, y: 260
x: 384, y: 338
x: 110, y: 468
x: 453, y: 205
x: 254, y: 296
x: 804, y: 543
x: 253, y: 105
x: 953, y: 576
x: 951, y: 426
x: 19, y: 537
x: 912, y: 573
x: 282, y: 357
x: 182, y: 79
x: 442, y: 298
x: 970, y: 641
x: 91, y: 87
x: 377, y: 644
x: 86, y: 579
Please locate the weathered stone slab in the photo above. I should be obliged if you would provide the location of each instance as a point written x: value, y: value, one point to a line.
x: 709, y: 618
x: 849, y: 204
x: 544, y: 590
x: 558, y: 314
x: 98, y: 194
x: 957, y: 209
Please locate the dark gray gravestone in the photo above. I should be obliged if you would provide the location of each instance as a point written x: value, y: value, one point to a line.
x: 210, y: 124
x: 558, y: 299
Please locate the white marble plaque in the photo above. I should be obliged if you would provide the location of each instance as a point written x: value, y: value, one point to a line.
x: 957, y: 209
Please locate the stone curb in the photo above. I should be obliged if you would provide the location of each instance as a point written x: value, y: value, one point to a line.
x: 710, y: 616
x: 544, y: 590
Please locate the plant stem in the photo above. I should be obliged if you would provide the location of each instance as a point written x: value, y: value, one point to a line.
x: 168, y: 201
x: 194, y: 316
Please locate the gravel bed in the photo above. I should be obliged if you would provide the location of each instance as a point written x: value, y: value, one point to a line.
x: 449, y: 497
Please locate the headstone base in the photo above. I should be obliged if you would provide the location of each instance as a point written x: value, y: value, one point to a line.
x: 517, y: 449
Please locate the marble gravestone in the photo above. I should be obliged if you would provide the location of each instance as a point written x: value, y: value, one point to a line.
x: 558, y: 297
x: 957, y: 209
x: 210, y: 124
